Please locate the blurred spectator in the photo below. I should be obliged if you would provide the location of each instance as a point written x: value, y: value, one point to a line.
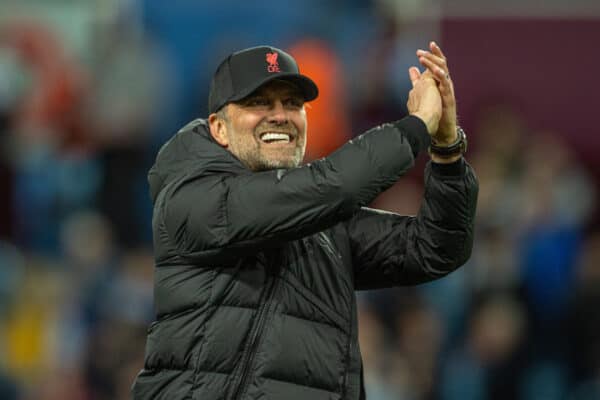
x: 52, y: 105
x: 488, y: 365
x: 8, y: 388
x: 372, y: 338
x: 111, y: 362
x: 11, y: 281
x: 12, y: 82
x: 90, y: 262
x: 584, y: 322
x: 419, y: 336
x: 59, y: 383
x: 11, y: 274
x: 48, y: 143
x: 373, y: 99
x: 128, y: 92
x: 29, y: 327
x: 499, y: 162
x: 113, y: 292
x: 556, y: 201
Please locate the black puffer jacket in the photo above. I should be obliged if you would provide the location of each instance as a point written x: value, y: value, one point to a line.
x: 256, y: 273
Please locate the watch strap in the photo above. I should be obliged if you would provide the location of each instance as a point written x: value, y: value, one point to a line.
x: 458, y: 147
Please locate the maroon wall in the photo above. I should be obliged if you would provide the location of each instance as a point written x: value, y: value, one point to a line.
x: 549, y: 67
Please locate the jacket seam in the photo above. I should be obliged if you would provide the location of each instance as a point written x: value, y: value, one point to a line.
x: 299, y: 384
x: 324, y: 309
x: 328, y: 324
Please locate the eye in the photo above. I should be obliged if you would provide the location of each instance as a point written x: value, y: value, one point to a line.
x: 257, y: 102
x: 293, y: 102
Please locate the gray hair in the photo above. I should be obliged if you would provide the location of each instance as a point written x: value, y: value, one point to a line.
x: 223, y: 114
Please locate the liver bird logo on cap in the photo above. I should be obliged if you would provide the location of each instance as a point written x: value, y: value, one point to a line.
x: 272, y: 61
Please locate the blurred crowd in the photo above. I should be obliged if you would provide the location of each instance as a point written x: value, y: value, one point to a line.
x: 79, y: 130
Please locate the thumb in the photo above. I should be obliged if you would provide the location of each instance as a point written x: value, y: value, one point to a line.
x: 414, y: 74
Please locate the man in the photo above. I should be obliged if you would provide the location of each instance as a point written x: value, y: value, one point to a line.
x: 258, y: 258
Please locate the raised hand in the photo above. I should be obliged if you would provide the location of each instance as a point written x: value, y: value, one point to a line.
x: 424, y: 100
x: 437, y: 65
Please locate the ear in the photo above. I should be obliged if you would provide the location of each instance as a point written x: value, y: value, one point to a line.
x: 218, y: 129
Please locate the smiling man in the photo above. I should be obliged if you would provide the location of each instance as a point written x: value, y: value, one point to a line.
x: 267, y: 129
x: 258, y: 257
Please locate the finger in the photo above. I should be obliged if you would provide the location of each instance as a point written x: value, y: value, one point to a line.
x: 439, y: 61
x: 447, y: 94
x: 436, y: 49
x: 414, y: 74
x: 439, y: 74
x: 446, y: 89
x: 444, y: 83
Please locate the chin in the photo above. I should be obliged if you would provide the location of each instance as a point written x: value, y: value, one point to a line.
x: 267, y: 165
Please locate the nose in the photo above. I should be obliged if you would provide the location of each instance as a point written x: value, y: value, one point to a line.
x: 278, y: 113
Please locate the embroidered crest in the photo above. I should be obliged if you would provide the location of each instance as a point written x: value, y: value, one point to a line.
x: 273, y: 63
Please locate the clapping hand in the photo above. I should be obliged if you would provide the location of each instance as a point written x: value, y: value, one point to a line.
x: 437, y: 67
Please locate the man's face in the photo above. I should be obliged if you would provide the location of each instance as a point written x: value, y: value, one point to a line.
x: 267, y: 129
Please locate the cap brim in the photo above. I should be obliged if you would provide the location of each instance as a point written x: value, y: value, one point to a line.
x: 307, y: 87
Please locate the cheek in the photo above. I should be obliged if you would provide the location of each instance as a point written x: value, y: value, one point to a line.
x: 243, y: 121
x: 245, y: 142
x: 301, y: 124
x: 242, y: 132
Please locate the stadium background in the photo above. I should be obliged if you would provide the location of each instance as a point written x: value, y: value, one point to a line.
x: 89, y: 89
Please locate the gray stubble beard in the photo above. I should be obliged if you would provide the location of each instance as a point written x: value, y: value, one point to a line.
x: 258, y: 163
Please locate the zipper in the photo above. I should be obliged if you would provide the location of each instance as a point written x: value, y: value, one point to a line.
x: 255, y: 337
x: 350, y: 350
x: 348, y: 362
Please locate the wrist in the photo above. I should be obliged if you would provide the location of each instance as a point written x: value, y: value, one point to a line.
x: 430, y: 121
x: 449, y: 151
x: 445, y: 137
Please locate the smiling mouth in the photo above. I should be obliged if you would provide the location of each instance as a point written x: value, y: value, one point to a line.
x: 276, y: 137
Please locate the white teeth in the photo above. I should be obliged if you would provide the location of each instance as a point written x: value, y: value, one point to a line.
x: 275, y: 136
